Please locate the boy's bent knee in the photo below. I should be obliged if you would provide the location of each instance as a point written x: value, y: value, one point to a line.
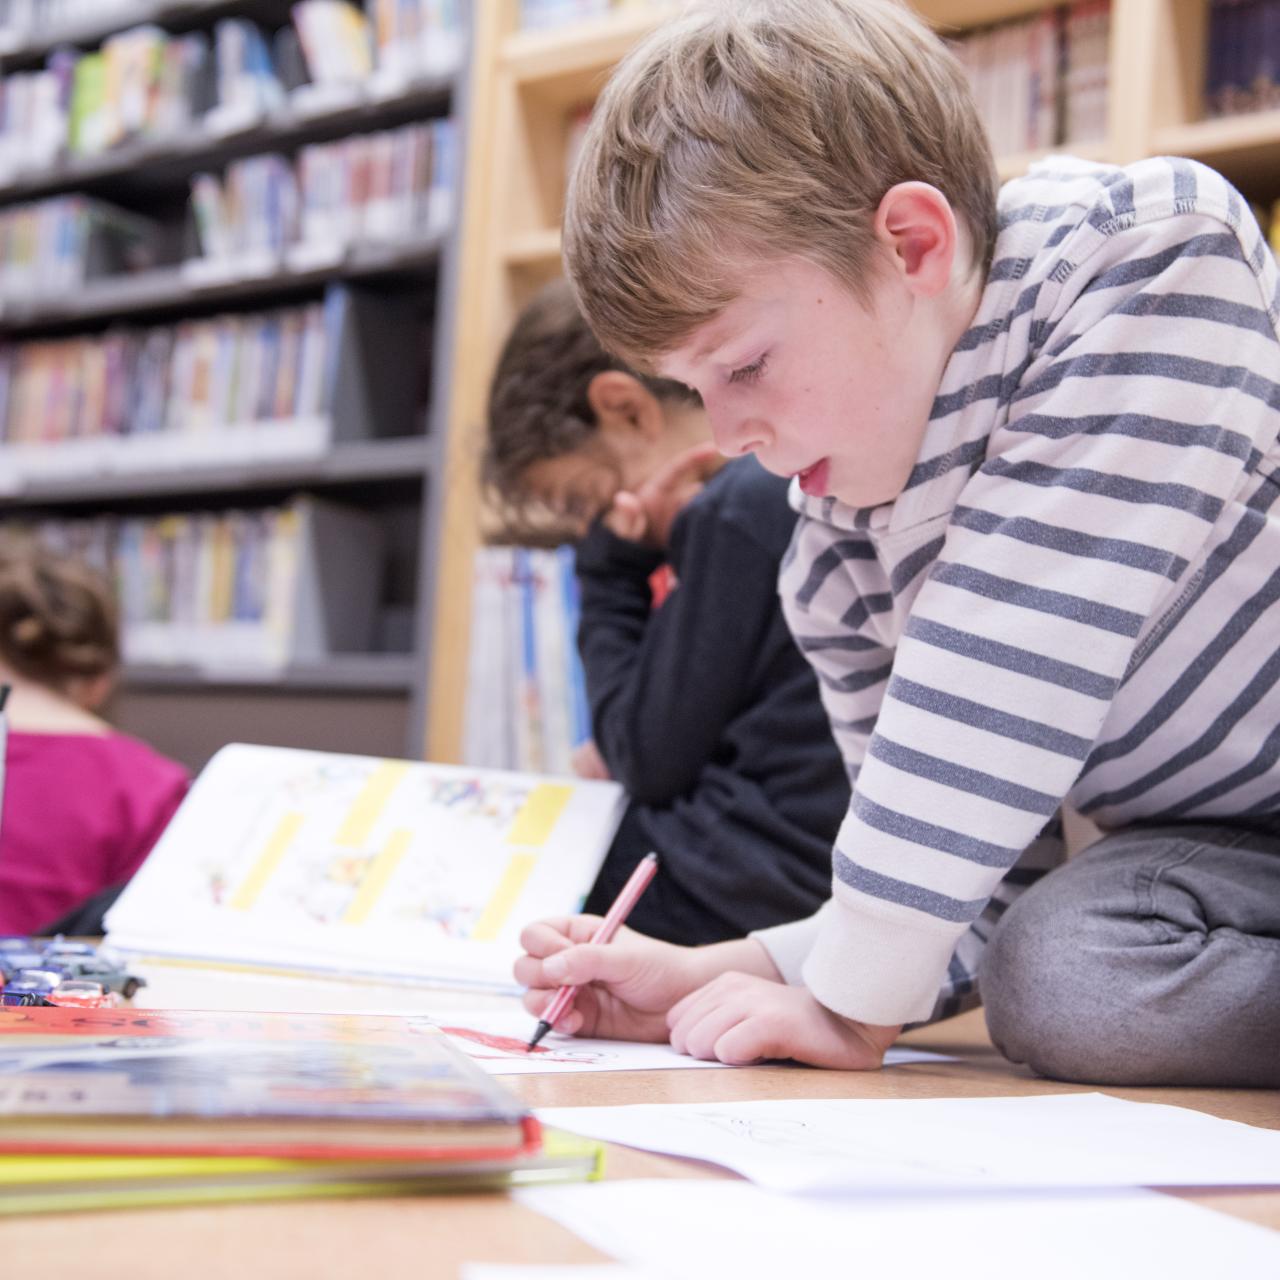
x: 1094, y: 976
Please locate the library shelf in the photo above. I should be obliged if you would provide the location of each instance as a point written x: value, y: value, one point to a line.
x: 1243, y: 147
x: 589, y: 47
x: 182, y: 288
x: 18, y: 48
x: 391, y: 673
x: 367, y: 465
x: 177, y: 157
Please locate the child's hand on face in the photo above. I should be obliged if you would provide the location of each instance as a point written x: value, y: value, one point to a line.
x: 587, y: 762
x: 737, y: 1018
x: 626, y: 987
x: 647, y: 514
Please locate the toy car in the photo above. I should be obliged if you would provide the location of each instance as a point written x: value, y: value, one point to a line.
x: 79, y: 994
x: 59, y: 946
x: 13, y: 962
x: 96, y: 968
x: 30, y: 986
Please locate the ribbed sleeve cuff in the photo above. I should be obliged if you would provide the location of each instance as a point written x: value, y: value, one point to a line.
x: 789, y: 944
x: 874, y: 969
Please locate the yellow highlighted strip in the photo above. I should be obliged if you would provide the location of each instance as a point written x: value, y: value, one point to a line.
x: 539, y: 814
x: 370, y: 803
x: 504, y: 897
x: 277, y: 846
x: 375, y: 879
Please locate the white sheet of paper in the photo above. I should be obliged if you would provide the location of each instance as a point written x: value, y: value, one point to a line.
x: 697, y: 1230
x: 1062, y: 1140
x: 496, y: 1039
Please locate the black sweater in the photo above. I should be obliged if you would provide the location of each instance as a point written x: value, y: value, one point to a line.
x: 705, y: 710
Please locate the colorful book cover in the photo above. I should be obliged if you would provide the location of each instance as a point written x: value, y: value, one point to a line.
x: 314, y: 1086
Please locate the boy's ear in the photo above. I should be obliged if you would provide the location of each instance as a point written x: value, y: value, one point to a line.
x: 916, y: 224
x: 622, y: 402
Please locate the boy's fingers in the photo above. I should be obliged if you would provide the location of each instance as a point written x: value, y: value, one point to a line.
x: 587, y: 963
x: 744, y: 1043
x: 546, y: 937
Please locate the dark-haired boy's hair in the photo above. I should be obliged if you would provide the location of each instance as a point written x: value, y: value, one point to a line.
x: 538, y: 403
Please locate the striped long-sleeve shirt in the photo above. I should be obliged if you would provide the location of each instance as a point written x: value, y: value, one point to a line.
x: 1076, y: 596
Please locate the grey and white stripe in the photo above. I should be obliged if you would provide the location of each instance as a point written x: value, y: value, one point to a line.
x: 1077, y: 595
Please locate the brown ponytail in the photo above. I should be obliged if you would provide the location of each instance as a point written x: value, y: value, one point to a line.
x: 58, y: 619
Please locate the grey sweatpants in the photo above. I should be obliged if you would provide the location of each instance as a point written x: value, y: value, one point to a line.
x: 1152, y: 958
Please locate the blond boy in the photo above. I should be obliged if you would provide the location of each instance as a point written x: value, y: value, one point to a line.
x: 1034, y: 442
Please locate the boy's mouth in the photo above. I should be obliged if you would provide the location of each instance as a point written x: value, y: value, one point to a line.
x: 813, y: 480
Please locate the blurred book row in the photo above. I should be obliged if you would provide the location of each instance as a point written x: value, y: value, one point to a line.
x: 526, y: 701
x: 1042, y: 81
x: 235, y: 589
x: 396, y: 185
x: 1243, y: 68
x: 211, y: 390
x: 144, y: 83
x: 266, y: 215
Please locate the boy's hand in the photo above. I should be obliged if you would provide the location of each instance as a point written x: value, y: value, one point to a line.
x: 627, y: 986
x: 587, y: 762
x: 647, y: 514
x: 737, y: 1018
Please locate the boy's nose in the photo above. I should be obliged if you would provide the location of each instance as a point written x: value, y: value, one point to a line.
x: 736, y: 436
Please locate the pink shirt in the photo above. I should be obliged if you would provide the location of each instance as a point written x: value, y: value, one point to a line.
x: 81, y: 812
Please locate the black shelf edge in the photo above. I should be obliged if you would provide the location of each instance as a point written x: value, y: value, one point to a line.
x: 391, y: 673
x: 347, y: 463
x: 171, y: 288
x: 189, y: 153
x: 92, y: 31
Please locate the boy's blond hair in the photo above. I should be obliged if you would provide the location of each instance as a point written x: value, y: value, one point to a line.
x: 747, y: 130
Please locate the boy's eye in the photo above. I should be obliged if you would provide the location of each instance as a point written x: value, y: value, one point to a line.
x: 749, y: 372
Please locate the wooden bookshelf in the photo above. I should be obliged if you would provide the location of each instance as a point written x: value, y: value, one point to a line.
x: 390, y: 472
x: 530, y: 80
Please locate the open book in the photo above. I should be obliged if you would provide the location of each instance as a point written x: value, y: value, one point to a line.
x: 346, y: 864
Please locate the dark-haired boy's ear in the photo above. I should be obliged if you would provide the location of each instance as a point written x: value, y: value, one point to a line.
x: 622, y: 402
x: 916, y: 224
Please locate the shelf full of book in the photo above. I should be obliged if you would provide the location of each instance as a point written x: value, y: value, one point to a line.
x: 1109, y: 81
x: 225, y: 350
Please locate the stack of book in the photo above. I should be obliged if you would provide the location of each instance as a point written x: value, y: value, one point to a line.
x: 142, y: 83
x: 526, y: 703
x: 1242, y: 71
x: 416, y: 37
x: 236, y: 589
x: 396, y: 185
x: 145, y: 83
x: 1042, y: 81
x: 105, y: 1108
x: 206, y: 391
x: 51, y: 247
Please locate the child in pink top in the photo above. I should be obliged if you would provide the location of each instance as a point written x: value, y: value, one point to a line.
x: 82, y: 804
